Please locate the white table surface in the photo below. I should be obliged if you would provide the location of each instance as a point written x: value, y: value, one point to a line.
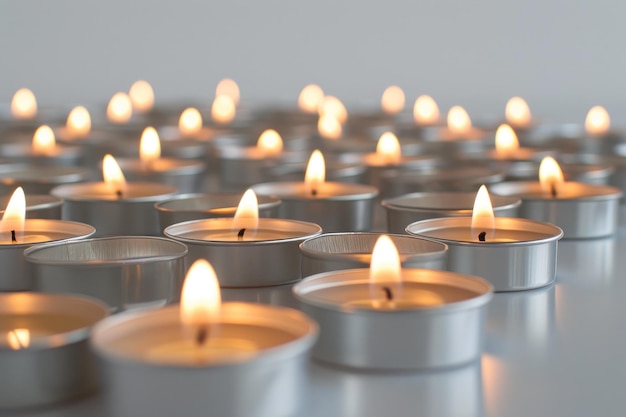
x: 558, y: 351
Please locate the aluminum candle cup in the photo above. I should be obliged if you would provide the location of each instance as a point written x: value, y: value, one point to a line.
x: 183, y: 175
x: 596, y: 173
x: 336, y: 251
x: 409, y: 208
x: 39, y: 180
x: 279, y: 295
x: 23, y: 153
x: 265, y: 257
x: 38, y: 206
x: 124, y: 272
x: 337, y: 207
x: 187, y: 207
x: 258, y: 368
x: 44, y: 354
x: 132, y: 214
x: 521, y: 255
x: 436, y: 322
x: 581, y: 210
x: 16, y: 276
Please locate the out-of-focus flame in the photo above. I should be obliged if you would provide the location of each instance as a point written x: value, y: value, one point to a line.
x: 120, y: 109
x: 24, y: 104
x: 459, y: 121
x: 597, y: 121
x: 223, y: 109
x: 113, y: 175
x: 78, y: 123
x: 228, y: 87
x: 388, y: 149
x: 200, y: 300
x: 14, y: 216
x: 247, y: 214
x: 332, y: 106
x: 483, y: 220
x: 310, y: 98
x: 270, y: 143
x: 44, y: 142
x: 506, y: 141
x: 517, y: 112
x: 315, y: 174
x: 190, y: 122
x: 141, y: 96
x: 149, y: 146
x: 550, y: 176
x: 329, y: 127
x: 18, y: 338
x: 425, y: 111
x: 393, y: 99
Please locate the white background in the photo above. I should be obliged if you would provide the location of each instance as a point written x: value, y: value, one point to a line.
x: 562, y: 56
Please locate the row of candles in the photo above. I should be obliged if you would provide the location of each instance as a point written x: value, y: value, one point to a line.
x: 381, y: 318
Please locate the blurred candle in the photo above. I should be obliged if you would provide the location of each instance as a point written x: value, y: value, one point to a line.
x: 393, y: 99
x: 507, y: 143
x: 310, y: 98
x: 24, y: 104
x: 44, y: 141
x: 388, y: 149
x: 228, y: 87
x: 120, y: 109
x: 190, y: 122
x: 517, y: 113
x: 598, y: 121
x: 141, y: 96
x: 425, y: 111
x: 270, y: 143
x: 459, y: 122
x: 149, y: 147
x: 329, y: 127
x: 78, y: 123
x: 332, y: 106
x: 223, y: 109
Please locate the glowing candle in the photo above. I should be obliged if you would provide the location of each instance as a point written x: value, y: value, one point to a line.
x: 24, y: 104
x: 119, y: 109
x: 141, y: 96
x: 517, y: 113
x: 425, y: 111
x: 310, y: 98
x: 392, y: 100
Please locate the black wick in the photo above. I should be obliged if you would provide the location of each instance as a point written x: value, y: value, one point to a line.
x: 118, y: 193
x: 201, y: 336
x: 388, y: 293
x: 314, y: 192
x: 553, y: 190
x: 482, y: 236
x: 240, y: 234
x: 13, y: 238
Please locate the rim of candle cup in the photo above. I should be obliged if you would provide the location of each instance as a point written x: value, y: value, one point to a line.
x: 225, y: 223
x: 67, y: 304
x: 34, y: 202
x: 482, y: 289
x: 303, y: 330
x: 218, y: 204
x: 49, y: 254
x: 294, y: 190
x: 20, y: 173
x: 25, y: 150
x: 431, y: 202
x: 134, y: 166
x: 327, y: 246
x: 422, y: 228
x: 468, y: 174
x: 72, y: 192
x: 531, y: 190
x: 70, y: 229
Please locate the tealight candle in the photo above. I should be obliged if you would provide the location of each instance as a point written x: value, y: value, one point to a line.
x: 507, y: 148
x: 18, y: 233
x: 125, y: 272
x: 425, y: 111
x: 141, y: 96
x: 39, y: 179
x: 42, y: 206
x: 335, y: 206
x: 211, y: 356
x: 24, y: 104
x: 42, y: 151
x: 513, y: 254
x: 184, y: 175
x: 244, y: 249
x: 599, y: 138
x: 581, y: 210
x: 393, y: 319
x: 459, y: 137
x: 43, y: 338
x: 119, y: 109
x: 114, y: 206
x: 517, y: 113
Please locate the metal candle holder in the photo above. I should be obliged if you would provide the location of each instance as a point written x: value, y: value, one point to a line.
x: 38, y: 206
x: 39, y: 179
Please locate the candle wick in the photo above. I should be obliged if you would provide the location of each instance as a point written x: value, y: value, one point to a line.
x: 240, y: 234
x: 482, y: 236
x: 118, y: 193
x: 388, y: 293
x: 314, y: 192
x: 553, y: 190
x: 202, y: 335
x: 13, y: 238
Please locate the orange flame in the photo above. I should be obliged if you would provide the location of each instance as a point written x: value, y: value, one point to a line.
x: 483, y: 220
x: 24, y: 104
x: 393, y: 100
x: 310, y: 98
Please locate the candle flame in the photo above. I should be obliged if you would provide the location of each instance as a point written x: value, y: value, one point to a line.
x: 18, y: 338
x: 247, y: 214
x: 329, y: 127
x: 141, y: 96
x: 506, y: 141
x: 388, y: 148
x: 483, y: 220
x: 425, y: 111
x: 332, y: 106
x: 44, y: 141
x: 24, y: 104
x: 119, y: 109
x: 597, y: 121
x: 310, y: 98
x: 550, y: 176
x: 228, y: 87
x: 78, y: 122
x: 315, y: 174
x: 200, y: 300
x: 393, y: 100
x: 270, y: 143
x: 385, y: 270
x: 459, y: 121
x: 517, y: 112
x: 223, y: 109
x: 14, y: 215
x: 190, y: 122
x: 113, y: 175
x: 149, y: 146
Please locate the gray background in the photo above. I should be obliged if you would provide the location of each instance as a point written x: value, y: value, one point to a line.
x: 562, y: 56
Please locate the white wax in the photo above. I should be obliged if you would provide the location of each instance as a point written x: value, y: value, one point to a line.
x: 32, y: 237
x: 102, y: 191
x: 231, y: 235
x: 465, y: 234
x: 327, y: 190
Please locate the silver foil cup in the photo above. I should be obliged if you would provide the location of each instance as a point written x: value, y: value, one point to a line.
x: 16, y: 274
x: 509, y: 265
x: 38, y: 206
x: 350, y: 207
x: 271, y: 383
x: 52, y: 368
x: 185, y: 207
x: 409, y: 208
x: 40, y: 179
x: 335, y: 251
x: 592, y: 213
x: 124, y: 272
x: 278, y: 295
x: 184, y: 175
x: 128, y: 216
x: 433, y: 337
x: 251, y: 263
